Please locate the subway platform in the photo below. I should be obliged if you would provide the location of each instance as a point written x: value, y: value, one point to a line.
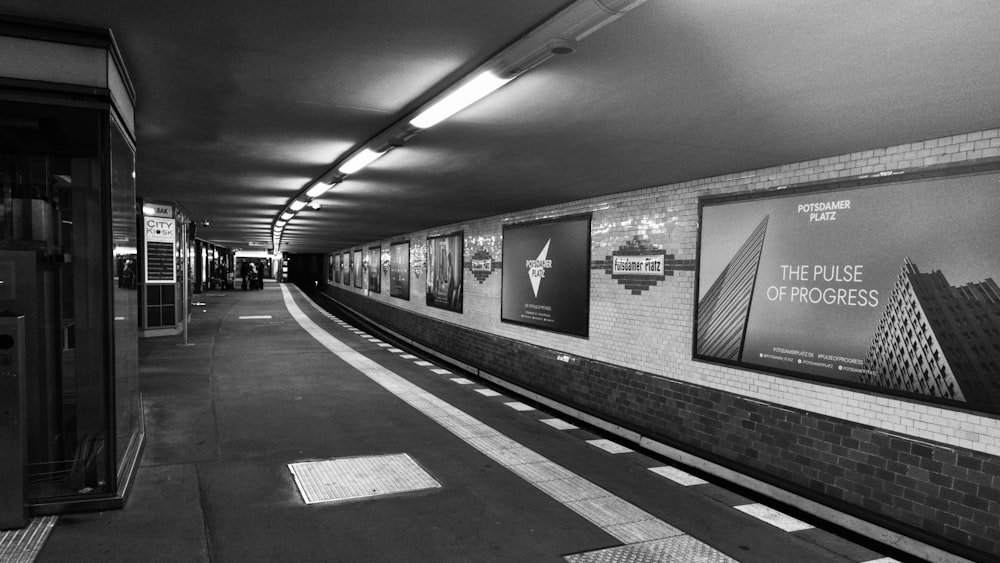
x: 280, y: 431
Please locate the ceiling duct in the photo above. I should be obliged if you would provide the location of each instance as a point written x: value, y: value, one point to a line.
x: 559, y: 35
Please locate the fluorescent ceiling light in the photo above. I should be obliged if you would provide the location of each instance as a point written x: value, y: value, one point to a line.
x: 476, y: 89
x: 319, y: 189
x: 297, y: 205
x: 359, y: 161
x: 279, y: 224
x: 287, y: 216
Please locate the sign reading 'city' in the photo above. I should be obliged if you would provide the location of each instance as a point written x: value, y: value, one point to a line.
x: 160, y: 240
x: 546, y: 275
x: 888, y: 285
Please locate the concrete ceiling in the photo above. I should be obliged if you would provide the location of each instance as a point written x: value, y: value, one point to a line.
x: 241, y: 105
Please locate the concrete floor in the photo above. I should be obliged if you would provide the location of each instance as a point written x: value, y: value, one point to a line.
x: 226, y: 414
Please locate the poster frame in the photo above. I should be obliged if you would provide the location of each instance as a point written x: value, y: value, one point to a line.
x: 405, y: 294
x: 429, y: 299
x: 375, y: 269
x: 505, y: 268
x: 358, y: 261
x: 861, y: 182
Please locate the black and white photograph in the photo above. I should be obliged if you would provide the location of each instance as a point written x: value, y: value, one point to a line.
x: 890, y: 285
x: 445, y: 271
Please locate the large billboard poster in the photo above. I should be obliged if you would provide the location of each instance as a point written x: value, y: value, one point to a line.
x: 445, y: 272
x: 546, y: 275
x: 374, y: 269
x: 888, y: 285
x: 336, y: 267
x: 399, y: 270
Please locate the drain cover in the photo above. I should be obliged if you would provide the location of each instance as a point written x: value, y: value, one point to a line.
x: 359, y: 477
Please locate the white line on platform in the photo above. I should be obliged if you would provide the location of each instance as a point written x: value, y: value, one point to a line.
x: 609, y: 446
x: 677, y: 476
x: 773, y: 517
x: 559, y: 424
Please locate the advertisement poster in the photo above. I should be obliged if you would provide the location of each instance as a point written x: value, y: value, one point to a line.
x: 546, y: 275
x: 889, y: 285
x: 358, y: 264
x: 374, y: 272
x: 336, y: 268
x: 399, y: 270
x: 444, y: 271
x: 160, y: 240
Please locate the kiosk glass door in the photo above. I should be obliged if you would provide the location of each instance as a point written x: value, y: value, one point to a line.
x: 54, y: 236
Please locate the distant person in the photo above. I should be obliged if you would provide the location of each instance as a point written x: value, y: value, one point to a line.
x: 252, y: 276
x: 128, y: 276
x: 245, y: 275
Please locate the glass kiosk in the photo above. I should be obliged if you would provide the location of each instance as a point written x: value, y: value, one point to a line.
x: 67, y: 264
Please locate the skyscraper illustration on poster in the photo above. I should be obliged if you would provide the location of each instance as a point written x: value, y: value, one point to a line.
x: 831, y: 284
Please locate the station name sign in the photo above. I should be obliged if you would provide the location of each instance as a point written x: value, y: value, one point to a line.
x: 645, y: 265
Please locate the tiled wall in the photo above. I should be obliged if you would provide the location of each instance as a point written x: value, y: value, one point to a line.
x: 932, y: 468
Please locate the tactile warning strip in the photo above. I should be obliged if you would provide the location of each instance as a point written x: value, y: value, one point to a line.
x: 679, y: 549
x: 359, y: 477
x: 22, y: 546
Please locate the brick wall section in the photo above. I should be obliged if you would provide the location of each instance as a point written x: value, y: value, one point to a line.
x: 920, y: 465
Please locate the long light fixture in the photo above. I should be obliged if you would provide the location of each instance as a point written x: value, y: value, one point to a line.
x: 319, y: 189
x: 287, y: 216
x: 359, y: 161
x: 466, y: 95
x: 297, y: 205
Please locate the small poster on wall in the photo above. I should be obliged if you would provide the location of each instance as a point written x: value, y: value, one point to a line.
x: 444, y: 271
x: 546, y: 275
x: 374, y: 272
x: 358, y: 269
x: 399, y: 270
